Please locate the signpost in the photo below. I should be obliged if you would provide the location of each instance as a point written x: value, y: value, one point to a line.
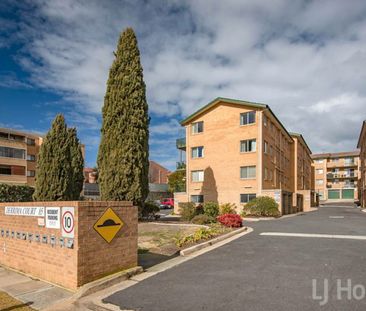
x: 68, y: 222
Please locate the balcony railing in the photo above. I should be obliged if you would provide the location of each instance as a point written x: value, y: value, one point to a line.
x: 181, y: 165
x: 341, y: 175
x: 181, y: 143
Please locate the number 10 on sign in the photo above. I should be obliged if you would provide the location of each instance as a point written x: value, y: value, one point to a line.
x: 68, y: 222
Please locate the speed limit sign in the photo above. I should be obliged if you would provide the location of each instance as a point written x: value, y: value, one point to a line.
x: 68, y: 222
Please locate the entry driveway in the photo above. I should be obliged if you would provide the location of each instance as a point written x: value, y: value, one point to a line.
x: 265, y: 272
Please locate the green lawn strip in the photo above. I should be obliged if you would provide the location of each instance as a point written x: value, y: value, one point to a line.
x: 8, y: 303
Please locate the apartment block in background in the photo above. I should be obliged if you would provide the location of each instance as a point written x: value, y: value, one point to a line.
x: 237, y: 150
x: 18, y: 156
x: 362, y: 178
x: 336, y: 175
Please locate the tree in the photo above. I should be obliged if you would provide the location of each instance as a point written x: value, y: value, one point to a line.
x: 77, y: 164
x: 177, y: 181
x: 123, y: 157
x: 58, y: 173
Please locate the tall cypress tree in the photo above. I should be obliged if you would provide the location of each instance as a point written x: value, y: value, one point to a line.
x: 77, y: 164
x: 54, y: 165
x: 124, y: 151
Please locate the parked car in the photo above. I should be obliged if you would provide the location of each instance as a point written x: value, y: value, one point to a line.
x: 167, y: 203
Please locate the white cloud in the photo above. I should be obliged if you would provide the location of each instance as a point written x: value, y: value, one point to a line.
x: 306, y: 59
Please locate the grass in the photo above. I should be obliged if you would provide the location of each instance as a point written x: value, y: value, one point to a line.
x: 8, y: 303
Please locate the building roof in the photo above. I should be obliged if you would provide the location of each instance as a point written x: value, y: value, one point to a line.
x: 303, y: 140
x: 363, y: 129
x: 355, y: 153
x: 235, y: 102
x: 21, y: 133
x: 153, y: 163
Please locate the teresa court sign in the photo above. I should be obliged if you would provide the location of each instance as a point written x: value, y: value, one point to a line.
x: 35, y: 211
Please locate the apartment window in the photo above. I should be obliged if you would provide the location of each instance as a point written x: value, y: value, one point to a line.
x: 31, y: 157
x: 335, y: 160
x: 247, y: 118
x: 336, y: 181
x: 197, y: 198
x: 265, y: 147
x: 5, y: 170
x: 319, y: 182
x: 31, y: 142
x: 197, y: 176
x: 197, y: 152
x: 248, y: 172
x: 349, y: 161
x: 266, y: 177
x: 7, y: 152
x: 246, y: 197
x: 248, y: 145
x: 265, y: 120
x: 320, y: 171
x: 31, y: 173
x: 319, y: 161
x: 197, y: 127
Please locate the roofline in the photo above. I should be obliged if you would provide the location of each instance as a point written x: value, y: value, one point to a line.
x: 362, y: 130
x: 354, y: 153
x: 235, y: 102
x: 30, y: 134
x: 303, y: 139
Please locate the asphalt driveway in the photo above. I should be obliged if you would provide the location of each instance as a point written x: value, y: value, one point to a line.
x: 261, y: 272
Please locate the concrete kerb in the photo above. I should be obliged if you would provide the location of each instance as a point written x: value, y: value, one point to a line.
x: 110, y: 280
x: 197, y: 247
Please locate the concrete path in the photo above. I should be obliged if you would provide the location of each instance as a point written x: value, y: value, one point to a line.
x: 295, y: 269
x: 35, y: 293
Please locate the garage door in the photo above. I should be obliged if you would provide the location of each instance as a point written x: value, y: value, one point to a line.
x: 333, y: 194
x: 348, y: 193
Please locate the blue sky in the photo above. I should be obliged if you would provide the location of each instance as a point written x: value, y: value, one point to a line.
x: 306, y: 59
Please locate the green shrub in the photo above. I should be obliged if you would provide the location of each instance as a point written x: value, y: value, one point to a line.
x: 198, y: 235
x: 149, y: 210
x: 261, y: 206
x: 202, y: 219
x: 227, y: 208
x: 16, y: 193
x: 211, y: 209
x: 187, y: 210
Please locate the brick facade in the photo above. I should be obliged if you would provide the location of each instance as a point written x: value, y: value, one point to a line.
x: 91, y: 256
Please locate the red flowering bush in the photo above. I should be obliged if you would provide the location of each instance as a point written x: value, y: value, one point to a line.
x: 230, y: 220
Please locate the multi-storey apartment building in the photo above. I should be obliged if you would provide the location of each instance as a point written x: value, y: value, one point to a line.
x: 336, y: 175
x: 362, y: 178
x: 18, y: 155
x: 237, y: 150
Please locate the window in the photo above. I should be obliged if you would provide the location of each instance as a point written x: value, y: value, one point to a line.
x: 31, y: 157
x: 197, y: 176
x: 8, y: 152
x: 31, y: 173
x: 335, y: 160
x: 197, y: 127
x: 247, y: 172
x: 349, y: 161
x: 197, y: 198
x: 319, y: 161
x: 321, y: 194
x: 248, y: 145
x: 5, y: 170
x: 336, y: 181
x: 319, y: 182
x: 245, y: 198
x: 265, y: 147
x: 197, y: 152
x: 266, y: 177
x: 320, y: 171
x: 31, y: 142
x: 247, y: 118
x: 264, y: 120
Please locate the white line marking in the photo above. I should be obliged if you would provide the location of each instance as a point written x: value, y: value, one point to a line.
x: 336, y: 217
x: 312, y: 235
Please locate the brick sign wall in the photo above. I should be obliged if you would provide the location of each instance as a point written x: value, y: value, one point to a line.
x: 68, y: 243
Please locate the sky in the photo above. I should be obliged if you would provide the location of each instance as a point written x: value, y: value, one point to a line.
x: 305, y: 59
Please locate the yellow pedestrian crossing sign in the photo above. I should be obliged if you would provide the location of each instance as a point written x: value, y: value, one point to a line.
x: 108, y: 225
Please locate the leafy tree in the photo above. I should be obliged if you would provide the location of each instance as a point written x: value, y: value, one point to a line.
x: 77, y: 164
x: 123, y: 163
x: 177, y: 181
x: 57, y: 173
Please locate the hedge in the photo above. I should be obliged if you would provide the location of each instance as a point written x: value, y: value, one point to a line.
x: 15, y: 193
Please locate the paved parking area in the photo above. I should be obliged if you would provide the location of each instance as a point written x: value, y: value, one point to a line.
x: 266, y: 272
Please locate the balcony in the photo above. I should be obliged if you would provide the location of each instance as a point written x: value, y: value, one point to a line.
x: 181, y: 166
x: 342, y: 164
x: 341, y: 175
x: 181, y: 143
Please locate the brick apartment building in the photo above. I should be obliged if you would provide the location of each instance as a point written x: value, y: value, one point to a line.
x: 362, y: 165
x: 237, y: 150
x: 336, y: 175
x: 18, y: 156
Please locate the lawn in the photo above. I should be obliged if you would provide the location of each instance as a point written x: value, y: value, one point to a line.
x: 8, y: 303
